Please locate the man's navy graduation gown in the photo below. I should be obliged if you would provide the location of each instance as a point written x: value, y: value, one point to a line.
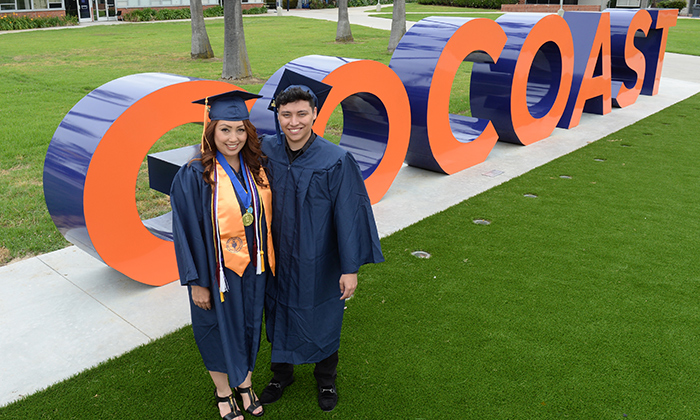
x: 322, y: 227
x: 228, y: 335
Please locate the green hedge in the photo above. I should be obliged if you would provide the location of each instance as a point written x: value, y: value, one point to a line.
x: 255, y: 10
x: 360, y: 3
x: 671, y: 4
x: 322, y: 4
x: 139, y: 15
x: 12, y: 22
x: 480, y: 4
x: 215, y: 11
x: 148, y: 14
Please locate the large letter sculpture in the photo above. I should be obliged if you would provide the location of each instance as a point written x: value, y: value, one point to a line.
x: 441, y: 141
x: 531, y: 73
x: 93, y: 161
x: 590, y: 87
x: 376, y: 113
x: 524, y: 93
x: 626, y: 60
x: 654, y: 47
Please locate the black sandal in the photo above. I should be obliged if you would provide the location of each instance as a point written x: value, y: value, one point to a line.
x: 235, y: 411
x: 254, y: 401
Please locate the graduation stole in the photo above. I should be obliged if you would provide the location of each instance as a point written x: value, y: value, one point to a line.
x: 228, y: 222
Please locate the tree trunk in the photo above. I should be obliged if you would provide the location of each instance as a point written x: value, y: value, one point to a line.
x: 343, y: 34
x: 236, y: 62
x: 201, y: 48
x: 398, y: 24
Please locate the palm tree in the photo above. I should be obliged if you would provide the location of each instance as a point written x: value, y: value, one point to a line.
x: 343, y: 34
x: 398, y: 24
x: 236, y: 61
x: 201, y: 48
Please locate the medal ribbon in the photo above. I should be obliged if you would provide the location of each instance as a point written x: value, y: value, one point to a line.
x: 257, y: 220
x: 242, y: 193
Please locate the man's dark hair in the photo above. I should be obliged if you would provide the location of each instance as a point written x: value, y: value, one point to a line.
x: 294, y: 94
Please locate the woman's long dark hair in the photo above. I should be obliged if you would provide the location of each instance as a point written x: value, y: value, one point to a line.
x: 251, y: 153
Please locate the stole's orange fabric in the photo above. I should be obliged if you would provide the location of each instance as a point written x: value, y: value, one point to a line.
x: 234, y: 245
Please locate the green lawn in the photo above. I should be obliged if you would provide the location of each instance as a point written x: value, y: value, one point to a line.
x: 683, y: 38
x: 57, y: 68
x: 415, y: 17
x: 425, y: 8
x: 45, y: 73
x: 416, y: 12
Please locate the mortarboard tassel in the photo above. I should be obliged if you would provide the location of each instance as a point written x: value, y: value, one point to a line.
x: 204, y: 124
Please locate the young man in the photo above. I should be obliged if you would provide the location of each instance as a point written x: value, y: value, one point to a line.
x: 323, y: 230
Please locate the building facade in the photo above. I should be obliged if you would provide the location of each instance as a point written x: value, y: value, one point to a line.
x: 33, y: 8
x: 95, y: 10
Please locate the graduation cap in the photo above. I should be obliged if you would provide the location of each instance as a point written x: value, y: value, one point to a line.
x: 228, y: 106
x: 319, y: 92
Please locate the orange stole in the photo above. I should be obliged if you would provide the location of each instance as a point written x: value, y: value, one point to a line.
x: 234, y: 245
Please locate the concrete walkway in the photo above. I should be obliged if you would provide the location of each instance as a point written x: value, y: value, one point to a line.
x: 356, y: 15
x: 63, y: 312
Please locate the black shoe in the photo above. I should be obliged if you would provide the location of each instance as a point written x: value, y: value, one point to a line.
x: 235, y: 412
x: 273, y: 391
x: 327, y: 398
x: 254, y: 400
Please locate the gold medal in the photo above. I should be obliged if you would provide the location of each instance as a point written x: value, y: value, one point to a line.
x: 247, y: 219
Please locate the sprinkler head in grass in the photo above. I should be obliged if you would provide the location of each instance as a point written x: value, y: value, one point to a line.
x: 530, y: 195
x: 493, y: 173
x: 420, y: 254
x: 482, y: 222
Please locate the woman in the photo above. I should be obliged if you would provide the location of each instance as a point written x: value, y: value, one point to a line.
x: 222, y: 211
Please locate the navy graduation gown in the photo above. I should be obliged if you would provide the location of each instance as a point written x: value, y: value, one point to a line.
x: 323, y: 226
x: 228, y: 335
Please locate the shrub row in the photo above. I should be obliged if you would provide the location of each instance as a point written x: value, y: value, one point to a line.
x: 255, y: 11
x: 359, y: 3
x: 215, y: 11
x: 322, y: 4
x: 671, y: 4
x: 313, y: 4
x: 11, y: 22
x: 148, y: 14
x: 480, y: 4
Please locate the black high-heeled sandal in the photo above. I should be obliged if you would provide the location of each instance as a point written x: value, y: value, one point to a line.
x: 235, y: 411
x: 254, y: 401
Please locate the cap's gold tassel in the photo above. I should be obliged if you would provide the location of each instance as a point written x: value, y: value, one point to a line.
x: 204, y: 124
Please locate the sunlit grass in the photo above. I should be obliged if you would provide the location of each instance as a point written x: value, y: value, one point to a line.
x: 45, y: 73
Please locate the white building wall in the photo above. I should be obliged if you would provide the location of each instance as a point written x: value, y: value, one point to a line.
x: 603, y: 4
